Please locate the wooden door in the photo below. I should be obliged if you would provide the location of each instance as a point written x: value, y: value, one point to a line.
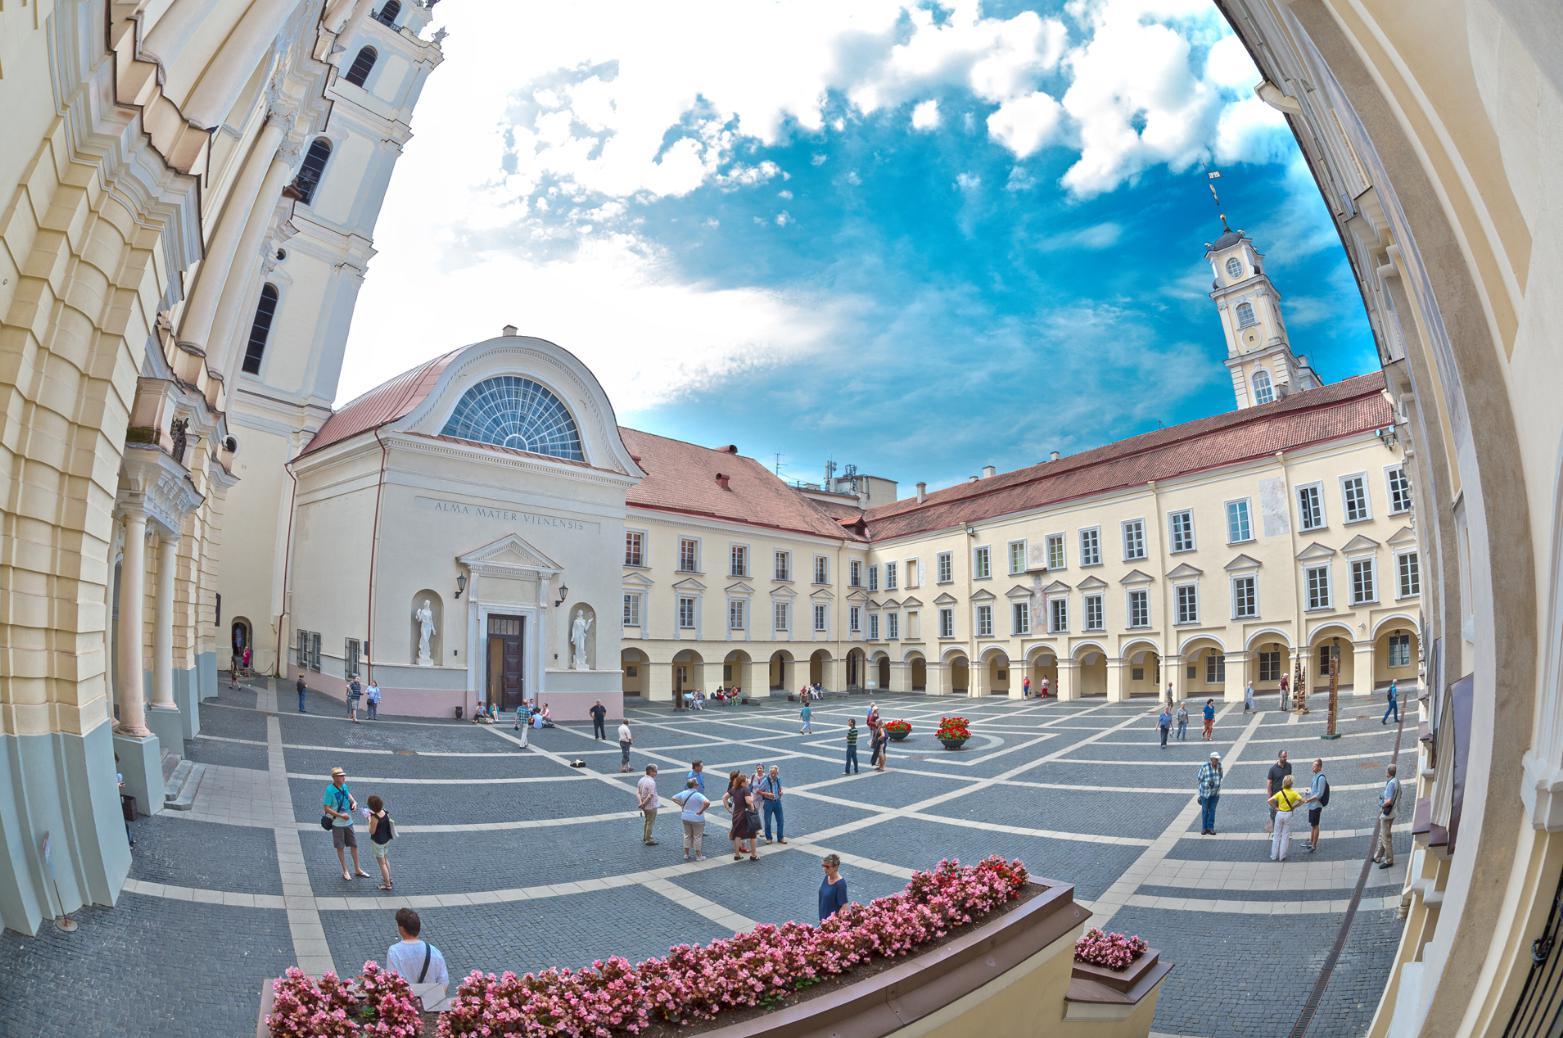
x: 506, y: 661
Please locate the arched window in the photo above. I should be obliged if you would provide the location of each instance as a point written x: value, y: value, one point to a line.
x: 510, y: 411
x: 1245, y: 315
x: 386, y: 15
x: 310, y: 172
x: 361, y: 66
x: 1234, y: 268
x: 1264, y: 392
x: 260, y: 330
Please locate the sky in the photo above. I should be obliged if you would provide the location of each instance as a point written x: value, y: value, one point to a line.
x: 917, y: 236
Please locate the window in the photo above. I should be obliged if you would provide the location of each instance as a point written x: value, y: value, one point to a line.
x: 738, y: 561
x: 631, y: 610
x: 984, y: 621
x: 1057, y: 615
x: 1055, y: 551
x: 1095, y: 618
x: 912, y: 568
x: 911, y: 625
x: 947, y: 623
x: 982, y: 564
x: 890, y: 576
x: 387, y: 14
x: 1133, y: 540
x: 892, y: 626
x: 314, y: 651
x: 1400, y: 650
x: 1245, y: 315
x: 1317, y: 579
x: 1264, y: 390
x: 260, y: 329
x: 686, y: 613
x: 1091, y: 547
x: 782, y: 616
x: 1239, y: 529
x: 688, y: 555
x: 821, y: 618
x: 944, y: 564
x: 634, y: 548
x: 1354, y: 494
x: 1182, y: 527
x: 855, y: 619
x: 1234, y: 268
x: 1408, y: 569
x: 350, y: 656
x: 1310, y: 507
x: 311, y: 170
x: 511, y: 411
x: 361, y: 66
x: 857, y: 574
x: 822, y: 569
x: 1215, y: 669
x: 1269, y: 664
x: 1017, y: 557
x: 1364, y: 586
x: 873, y: 578
x: 873, y: 627
x: 1399, y: 491
x: 1020, y: 618
x: 784, y: 565
x: 1139, y: 608
x: 735, y: 614
x: 1245, y: 598
x: 1185, y: 598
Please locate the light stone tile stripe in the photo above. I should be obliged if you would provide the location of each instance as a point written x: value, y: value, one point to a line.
x: 1196, y: 763
x: 1325, y: 833
x: 1228, y: 905
x: 414, y: 780
x: 968, y: 823
x: 311, y: 953
x: 695, y: 903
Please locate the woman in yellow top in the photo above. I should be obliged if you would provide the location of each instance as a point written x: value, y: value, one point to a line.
x: 1285, y: 801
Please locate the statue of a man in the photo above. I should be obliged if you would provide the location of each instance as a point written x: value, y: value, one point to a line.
x: 578, y: 631
x: 425, y: 618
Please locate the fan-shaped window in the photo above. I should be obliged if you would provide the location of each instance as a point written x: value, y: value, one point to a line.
x: 361, y: 66
x: 510, y: 411
x: 310, y: 172
x: 1245, y: 315
x: 1234, y: 268
x: 1264, y: 392
x: 386, y: 15
x: 260, y: 330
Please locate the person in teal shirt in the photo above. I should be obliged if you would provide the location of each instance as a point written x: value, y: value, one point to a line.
x: 1394, y: 704
x: 339, y: 805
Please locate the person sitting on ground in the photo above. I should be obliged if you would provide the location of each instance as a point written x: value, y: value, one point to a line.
x: 480, y: 716
x: 415, y: 959
x: 548, y: 717
x: 699, y: 700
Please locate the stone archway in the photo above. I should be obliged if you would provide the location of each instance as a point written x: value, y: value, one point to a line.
x: 688, y: 672
x: 1043, y: 666
x: 735, y: 671
x: 957, y: 671
x: 917, y: 672
x: 636, y: 666
x: 819, y: 661
x: 1397, y: 653
x: 1090, y: 671
x: 781, y: 671
x: 1142, y: 670
x: 1331, y: 642
x: 995, y: 673
x: 1202, y: 669
x: 857, y: 669
x: 882, y: 672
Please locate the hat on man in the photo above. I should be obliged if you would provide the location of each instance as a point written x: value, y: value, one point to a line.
x: 337, y: 771
x: 1214, y: 755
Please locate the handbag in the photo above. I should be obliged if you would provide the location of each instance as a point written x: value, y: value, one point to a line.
x: 325, y: 822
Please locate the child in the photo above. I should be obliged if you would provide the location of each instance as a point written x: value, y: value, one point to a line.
x: 807, y: 714
x: 381, y: 832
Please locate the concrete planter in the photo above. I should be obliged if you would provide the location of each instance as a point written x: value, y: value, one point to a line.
x: 898, y: 736
x: 1099, y: 993
x: 953, y: 744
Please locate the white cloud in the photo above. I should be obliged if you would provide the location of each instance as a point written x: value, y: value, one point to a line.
x: 1093, y: 238
x: 1025, y: 124
x: 1251, y: 131
x: 925, y: 116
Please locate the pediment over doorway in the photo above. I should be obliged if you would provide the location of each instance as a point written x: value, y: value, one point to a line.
x: 510, y: 554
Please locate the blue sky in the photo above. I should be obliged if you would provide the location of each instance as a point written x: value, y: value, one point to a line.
x: 919, y: 238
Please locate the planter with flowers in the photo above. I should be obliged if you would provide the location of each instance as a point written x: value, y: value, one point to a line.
x: 953, y: 732
x: 377, y: 1002
x: 898, y: 729
x: 1113, y: 969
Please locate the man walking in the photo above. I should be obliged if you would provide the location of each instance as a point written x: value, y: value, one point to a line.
x: 1210, y: 719
x: 646, y: 792
x: 851, y: 768
x: 416, y: 960
x: 1164, y: 722
x: 1394, y: 704
x: 1248, y: 698
x: 625, y: 740
x: 770, y: 791
x: 300, y: 688
x: 599, y: 716
x: 1209, y: 793
x: 697, y: 775
x: 1044, y: 693
x: 339, y: 804
x: 372, y: 697
x: 355, y: 692
x: 1318, y: 797
x: 1279, y: 772
x: 1384, y: 854
x: 1286, y: 688
x: 1183, y: 722
x: 1025, y: 687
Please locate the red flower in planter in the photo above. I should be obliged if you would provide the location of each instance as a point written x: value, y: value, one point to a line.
x: 898, y: 727
x: 954, y: 728
x: 1115, y: 951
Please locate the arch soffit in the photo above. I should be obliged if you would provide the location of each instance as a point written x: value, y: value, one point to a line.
x: 783, y: 654
x: 1341, y: 630
x: 737, y: 656
x: 1036, y: 652
x: 1141, y: 645
x: 914, y: 656
x: 1398, y: 618
x: 952, y: 654
x: 630, y: 654
x: 1193, y: 642
x: 879, y: 654
x: 820, y: 654
x: 1085, y: 647
x: 993, y: 651
x: 1267, y: 634
x: 688, y: 656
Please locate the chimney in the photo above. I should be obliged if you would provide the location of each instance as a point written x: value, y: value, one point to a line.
x: 731, y: 448
x: 971, y: 479
x: 508, y: 331
x: 988, y: 471
x: 922, y: 492
x: 722, y: 481
x: 1052, y: 456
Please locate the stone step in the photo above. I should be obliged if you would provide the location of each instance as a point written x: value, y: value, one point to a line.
x: 180, y: 787
x: 170, y: 762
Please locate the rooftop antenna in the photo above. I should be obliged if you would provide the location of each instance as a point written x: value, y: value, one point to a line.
x: 778, y: 463
x: 1210, y: 180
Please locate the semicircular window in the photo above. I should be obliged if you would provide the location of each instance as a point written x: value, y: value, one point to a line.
x: 510, y: 411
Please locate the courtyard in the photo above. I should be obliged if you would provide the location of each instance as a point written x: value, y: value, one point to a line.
x: 517, y: 860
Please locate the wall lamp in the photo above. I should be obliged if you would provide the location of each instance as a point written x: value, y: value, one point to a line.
x: 1387, y: 436
x: 971, y: 531
x: 461, y: 584
x: 564, y: 593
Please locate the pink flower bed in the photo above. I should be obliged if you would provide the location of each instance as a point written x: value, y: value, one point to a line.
x: 377, y: 1003
x: 695, y: 983
x: 1112, y: 950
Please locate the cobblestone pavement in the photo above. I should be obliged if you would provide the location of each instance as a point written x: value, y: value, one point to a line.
x: 517, y: 860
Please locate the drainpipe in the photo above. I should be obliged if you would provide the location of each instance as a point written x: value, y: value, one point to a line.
x: 287, y: 566
x: 374, y: 544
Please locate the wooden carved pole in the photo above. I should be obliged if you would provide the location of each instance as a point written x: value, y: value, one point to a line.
x: 1330, y: 732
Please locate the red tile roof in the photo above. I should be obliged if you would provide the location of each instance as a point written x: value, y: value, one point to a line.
x: 381, y: 405
x: 1340, y: 409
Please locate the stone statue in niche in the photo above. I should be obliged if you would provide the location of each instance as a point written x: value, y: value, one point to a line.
x: 579, y: 629
x: 177, y: 432
x: 425, y: 617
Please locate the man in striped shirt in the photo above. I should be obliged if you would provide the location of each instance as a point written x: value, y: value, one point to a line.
x: 851, y: 746
x: 1209, y: 793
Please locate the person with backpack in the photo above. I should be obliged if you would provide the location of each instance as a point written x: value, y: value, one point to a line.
x: 414, y: 959
x: 381, y: 832
x: 1394, y: 705
x: 355, y: 692
x: 1318, y: 799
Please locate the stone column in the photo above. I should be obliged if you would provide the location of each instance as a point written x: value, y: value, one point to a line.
x: 1066, y: 689
x: 938, y: 683
x: 211, y: 100
x: 1115, y: 693
x: 1362, y: 667
x: 132, y: 595
x: 1236, y: 677
x: 659, y: 682
x: 163, y: 715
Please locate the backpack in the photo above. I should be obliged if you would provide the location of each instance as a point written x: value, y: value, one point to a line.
x: 387, y: 827
x: 1324, y: 798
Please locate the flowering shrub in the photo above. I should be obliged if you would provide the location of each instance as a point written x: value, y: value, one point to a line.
x: 898, y: 727
x: 954, y: 728
x: 694, y: 982
x: 1112, y: 950
x: 378, y: 1003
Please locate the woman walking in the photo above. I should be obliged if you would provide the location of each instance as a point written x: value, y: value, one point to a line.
x: 877, y: 756
x: 833, y: 891
x: 1284, y: 801
x: 381, y: 831
x: 739, y: 801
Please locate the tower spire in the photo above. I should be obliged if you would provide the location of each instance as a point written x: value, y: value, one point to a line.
x: 1210, y: 180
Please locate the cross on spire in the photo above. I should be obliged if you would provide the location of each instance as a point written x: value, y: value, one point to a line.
x: 1210, y: 179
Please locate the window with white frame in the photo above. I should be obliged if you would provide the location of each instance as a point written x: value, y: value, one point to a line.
x: 1354, y: 497
x: 1180, y: 526
x: 1133, y: 540
x: 1264, y: 389
x: 1185, y: 601
x: 873, y: 627
x: 1269, y: 664
x: 634, y: 548
x: 821, y: 618
x: 822, y: 569
x: 1327, y: 652
x: 736, y: 614
x: 1020, y: 618
x: 1245, y: 315
x: 1310, y: 507
x: 982, y: 563
x: 855, y: 619
x: 1400, y: 650
x: 688, y: 555
x: 740, y: 561
x: 350, y: 657
x: 912, y: 572
x: 1057, y: 615
x: 1215, y: 668
x: 1408, y: 574
x: 1245, y: 597
x: 1234, y: 268
x: 1017, y: 557
x: 1239, y: 526
x: 1364, y: 582
x: 1139, y: 608
x: 892, y: 626
x: 1399, y: 490
x: 947, y: 623
x: 1055, y: 551
x: 873, y: 578
x: 1317, y: 581
x: 686, y: 613
x: 1095, y: 616
x: 984, y: 621
x: 944, y: 564
x: 784, y: 565
x: 632, y: 601
x: 911, y: 625
x: 783, y: 616
x: 856, y: 569
x: 891, y: 576
x: 1091, y: 547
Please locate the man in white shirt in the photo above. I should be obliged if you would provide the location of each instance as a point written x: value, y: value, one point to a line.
x: 646, y: 792
x: 1384, y: 853
x: 625, y: 739
x: 418, y: 961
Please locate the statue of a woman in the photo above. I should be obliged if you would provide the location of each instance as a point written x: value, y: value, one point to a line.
x: 578, y: 631
x: 425, y: 618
